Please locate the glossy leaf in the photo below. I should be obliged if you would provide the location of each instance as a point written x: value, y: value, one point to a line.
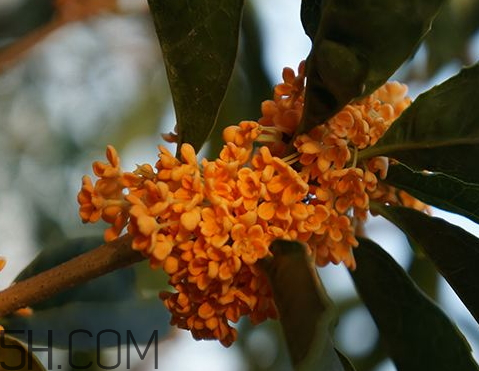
x: 140, y: 316
x: 416, y: 333
x: 199, y: 41
x: 437, y: 189
x: 96, y: 290
x: 454, y: 251
x: 14, y: 355
x: 306, y: 312
x: 357, y: 47
x: 439, y: 132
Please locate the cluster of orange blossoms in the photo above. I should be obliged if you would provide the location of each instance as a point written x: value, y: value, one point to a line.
x: 207, y: 224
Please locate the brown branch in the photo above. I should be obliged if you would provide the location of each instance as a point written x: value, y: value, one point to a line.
x: 104, y: 259
x: 13, y: 53
x: 67, y: 11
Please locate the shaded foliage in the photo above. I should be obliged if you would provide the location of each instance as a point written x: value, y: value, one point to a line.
x: 199, y: 44
x: 406, y: 318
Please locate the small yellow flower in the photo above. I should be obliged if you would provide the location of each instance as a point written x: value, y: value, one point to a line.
x: 243, y: 135
x: 215, y: 226
x: 89, y: 212
x: 250, y: 243
x: 24, y: 312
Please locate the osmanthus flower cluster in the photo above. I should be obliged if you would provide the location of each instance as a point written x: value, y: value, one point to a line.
x: 208, y: 223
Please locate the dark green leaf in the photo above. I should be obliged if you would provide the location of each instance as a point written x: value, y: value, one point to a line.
x: 310, y: 16
x: 439, y: 132
x: 199, y: 41
x: 306, y: 312
x: 357, y: 47
x: 14, y: 355
x: 96, y: 290
x: 454, y: 251
x: 249, y: 83
x: 437, y: 189
x: 141, y: 317
x: 451, y: 35
x: 417, y: 334
x: 423, y: 272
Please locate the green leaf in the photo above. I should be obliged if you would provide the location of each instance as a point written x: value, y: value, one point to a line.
x: 306, y: 312
x: 442, y: 45
x: 249, y: 83
x: 199, y: 41
x: 437, y: 189
x: 14, y: 355
x: 96, y: 290
x: 357, y: 47
x: 439, y: 132
x: 453, y: 251
x: 310, y: 16
x: 139, y: 316
x: 417, y: 334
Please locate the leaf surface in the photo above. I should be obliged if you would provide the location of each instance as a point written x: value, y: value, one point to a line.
x: 437, y: 189
x: 310, y: 16
x: 439, y: 132
x: 199, y: 41
x: 453, y: 251
x: 306, y: 312
x: 357, y: 47
x: 416, y: 333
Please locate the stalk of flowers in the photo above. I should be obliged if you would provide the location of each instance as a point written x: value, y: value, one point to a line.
x: 207, y: 224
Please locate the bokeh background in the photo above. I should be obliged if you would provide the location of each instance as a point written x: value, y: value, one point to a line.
x: 99, y: 79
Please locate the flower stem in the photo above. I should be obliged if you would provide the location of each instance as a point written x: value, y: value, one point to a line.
x: 95, y: 263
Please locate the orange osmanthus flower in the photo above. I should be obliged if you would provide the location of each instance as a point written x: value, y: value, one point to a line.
x: 208, y: 223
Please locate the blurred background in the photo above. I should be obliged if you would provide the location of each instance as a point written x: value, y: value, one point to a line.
x: 72, y: 82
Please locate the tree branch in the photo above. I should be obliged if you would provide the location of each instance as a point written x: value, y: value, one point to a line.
x: 67, y: 11
x: 104, y: 259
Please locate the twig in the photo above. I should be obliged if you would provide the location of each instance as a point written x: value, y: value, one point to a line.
x: 104, y: 259
x: 13, y: 53
x: 67, y: 11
